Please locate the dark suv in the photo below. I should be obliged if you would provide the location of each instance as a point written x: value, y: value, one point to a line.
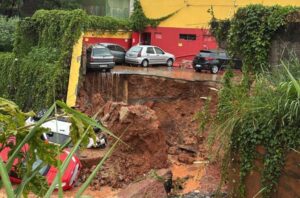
x: 99, y: 57
x: 214, y: 60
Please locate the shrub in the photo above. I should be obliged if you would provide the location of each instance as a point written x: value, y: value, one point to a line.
x: 7, y: 33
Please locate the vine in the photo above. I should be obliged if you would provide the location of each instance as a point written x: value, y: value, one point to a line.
x: 249, y: 33
x: 261, y: 110
x: 43, y: 48
x: 267, y: 115
x: 139, y: 21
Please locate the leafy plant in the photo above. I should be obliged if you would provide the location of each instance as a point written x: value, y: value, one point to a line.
x: 249, y: 33
x: 12, y: 124
x: 7, y: 32
x: 265, y: 115
x: 42, y: 53
x: 139, y: 21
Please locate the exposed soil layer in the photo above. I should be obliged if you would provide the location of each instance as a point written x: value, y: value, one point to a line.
x: 160, y: 116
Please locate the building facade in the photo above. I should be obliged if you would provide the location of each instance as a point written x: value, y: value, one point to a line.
x: 183, y: 34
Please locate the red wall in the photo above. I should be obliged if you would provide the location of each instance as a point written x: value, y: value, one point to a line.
x: 126, y: 43
x: 168, y: 39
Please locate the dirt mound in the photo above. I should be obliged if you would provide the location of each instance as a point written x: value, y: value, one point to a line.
x: 146, y: 147
x: 160, y: 120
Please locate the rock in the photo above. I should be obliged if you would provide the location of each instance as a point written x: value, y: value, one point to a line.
x: 189, y: 149
x: 172, y: 150
x: 144, y: 188
x: 124, y: 112
x: 185, y: 158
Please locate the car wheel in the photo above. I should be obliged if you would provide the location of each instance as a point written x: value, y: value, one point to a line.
x: 214, y: 69
x: 170, y: 62
x: 145, y: 63
x: 198, y: 70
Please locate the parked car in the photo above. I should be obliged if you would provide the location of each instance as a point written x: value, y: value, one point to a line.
x: 146, y: 55
x: 99, y: 57
x: 214, y: 60
x: 69, y: 177
x: 117, y: 51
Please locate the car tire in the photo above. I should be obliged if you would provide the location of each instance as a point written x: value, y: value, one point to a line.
x: 214, y: 69
x: 145, y: 63
x: 170, y: 62
x: 197, y: 70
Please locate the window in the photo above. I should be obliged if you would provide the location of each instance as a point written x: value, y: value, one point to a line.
x: 135, y: 49
x: 101, y: 52
x: 111, y: 47
x: 158, y: 51
x: 119, y: 49
x: 150, y: 50
x: 191, y: 37
x: 223, y: 55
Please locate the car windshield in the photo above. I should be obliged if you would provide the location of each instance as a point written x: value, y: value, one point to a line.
x: 57, y: 138
x: 101, y: 52
x: 206, y: 54
x: 135, y: 49
x: 44, y: 170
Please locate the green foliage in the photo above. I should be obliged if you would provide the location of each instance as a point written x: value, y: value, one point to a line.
x: 107, y: 23
x: 265, y: 115
x: 27, y: 8
x: 12, y: 124
x: 38, y: 72
x: 249, y: 33
x: 7, y: 32
x: 139, y: 21
x: 43, y: 48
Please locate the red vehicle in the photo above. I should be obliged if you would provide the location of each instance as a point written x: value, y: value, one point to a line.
x: 69, y: 177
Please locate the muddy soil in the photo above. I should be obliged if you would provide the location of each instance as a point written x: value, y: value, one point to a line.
x: 158, y: 118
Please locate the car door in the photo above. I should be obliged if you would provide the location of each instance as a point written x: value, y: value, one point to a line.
x: 120, y: 54
x: 151, y: 56
x: 160, y: 56
x: 223, y: 59
x: 112, y: 49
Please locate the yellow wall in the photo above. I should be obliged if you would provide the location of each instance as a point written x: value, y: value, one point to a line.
x: 193, y: 13
x: 74, y: 73
x: 76, y: 62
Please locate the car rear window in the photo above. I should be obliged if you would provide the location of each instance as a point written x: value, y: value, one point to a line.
x: 223, y: 55
x: 135, y: 49
x: 206, y: 54
x: 101, y: 52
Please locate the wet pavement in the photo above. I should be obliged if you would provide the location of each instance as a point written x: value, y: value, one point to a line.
x: 170, y: 72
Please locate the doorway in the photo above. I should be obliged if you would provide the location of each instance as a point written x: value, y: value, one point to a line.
x: 146, y: 38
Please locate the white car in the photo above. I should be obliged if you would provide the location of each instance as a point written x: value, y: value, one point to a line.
x: 60, y: 132
x: 146, y: 55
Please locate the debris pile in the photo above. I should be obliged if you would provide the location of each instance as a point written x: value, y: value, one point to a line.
x: 145, y: 147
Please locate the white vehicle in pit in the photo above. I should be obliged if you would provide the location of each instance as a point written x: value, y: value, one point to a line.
x: 60, y: 132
